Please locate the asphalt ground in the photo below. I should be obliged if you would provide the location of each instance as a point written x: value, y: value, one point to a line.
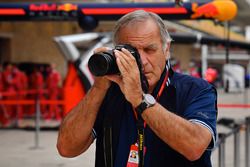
x: 20, y: 147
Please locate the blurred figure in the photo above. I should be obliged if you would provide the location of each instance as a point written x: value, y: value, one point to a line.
x: 8, y: 78
x: 211, y: 75
x: 9, y: 89
x: 176, y: 65
x: 3, y: 112
x: 193, y: 70
x: 37, y: 84
x: 21, y: 85
x: 52, y: 84
x: 25, y: 83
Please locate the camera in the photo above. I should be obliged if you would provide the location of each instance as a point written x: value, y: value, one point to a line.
x: 104, y: 63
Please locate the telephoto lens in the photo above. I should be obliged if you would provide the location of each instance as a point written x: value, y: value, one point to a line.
x: 103, y: 63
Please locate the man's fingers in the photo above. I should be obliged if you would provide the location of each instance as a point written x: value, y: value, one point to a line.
x: 122, y: 63
x: 127, y: 52
x: 127, y: 56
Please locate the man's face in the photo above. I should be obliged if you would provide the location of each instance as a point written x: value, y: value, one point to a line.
x: 145, y: 36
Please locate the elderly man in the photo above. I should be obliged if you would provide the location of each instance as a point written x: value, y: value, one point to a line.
x: 174, y: 121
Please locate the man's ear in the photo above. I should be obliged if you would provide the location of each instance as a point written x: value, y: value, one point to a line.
x: 167, y: 50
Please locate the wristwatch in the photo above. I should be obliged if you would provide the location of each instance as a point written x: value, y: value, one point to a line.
x: 147, y: 101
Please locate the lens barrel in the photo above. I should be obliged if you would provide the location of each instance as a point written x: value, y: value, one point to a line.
x: 103, y: 63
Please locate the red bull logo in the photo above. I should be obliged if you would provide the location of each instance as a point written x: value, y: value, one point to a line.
x: 222, y: 10
x: 67, y: 7
x: 53, y: 7
x: 208, y: 10
x: 42, y: 7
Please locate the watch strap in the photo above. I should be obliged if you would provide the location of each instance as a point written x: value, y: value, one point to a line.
x: 139, y: 109
x: 147, y: 101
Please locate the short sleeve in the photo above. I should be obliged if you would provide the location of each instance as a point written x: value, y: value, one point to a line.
x: 202, y: 110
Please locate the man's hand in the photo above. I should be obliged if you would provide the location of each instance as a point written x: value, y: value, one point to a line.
x: 129, y: 78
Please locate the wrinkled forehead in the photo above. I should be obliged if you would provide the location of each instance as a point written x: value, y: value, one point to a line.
x: 129, y: 22
x: 138, y: 29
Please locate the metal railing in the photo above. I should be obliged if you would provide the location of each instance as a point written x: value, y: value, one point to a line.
x: 235, y: 128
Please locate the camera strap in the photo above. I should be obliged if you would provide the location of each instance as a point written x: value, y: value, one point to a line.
x: 141, y: 149
x: 107, y: 142
x: 141, y: 125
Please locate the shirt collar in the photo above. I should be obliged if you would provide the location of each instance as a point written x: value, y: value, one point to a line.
x: 164, y: 73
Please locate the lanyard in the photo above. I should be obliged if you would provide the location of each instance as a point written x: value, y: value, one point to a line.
x: 140, y: 124
x: 158, y: 94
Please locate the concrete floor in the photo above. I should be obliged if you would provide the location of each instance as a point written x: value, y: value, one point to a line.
x: 18, y: 148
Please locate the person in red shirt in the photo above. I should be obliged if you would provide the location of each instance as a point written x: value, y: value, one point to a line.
x: 24, y: 85
x: 8, y: 78
x: 176, y: 65
x: 193, y: 70
x: 37, y: 85
x: 10, y: 92
x: 52, y: 84
x: 3, y: 113
x: 21, y: 84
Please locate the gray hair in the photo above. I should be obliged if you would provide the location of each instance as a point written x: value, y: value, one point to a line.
x: 141, y: 15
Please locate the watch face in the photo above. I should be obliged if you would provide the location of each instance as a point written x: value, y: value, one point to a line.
x: 149, y: 99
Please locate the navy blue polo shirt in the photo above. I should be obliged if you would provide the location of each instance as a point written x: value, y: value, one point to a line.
x: 191, y: 98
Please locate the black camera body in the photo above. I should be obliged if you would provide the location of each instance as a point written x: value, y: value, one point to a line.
x: 104, y: 63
